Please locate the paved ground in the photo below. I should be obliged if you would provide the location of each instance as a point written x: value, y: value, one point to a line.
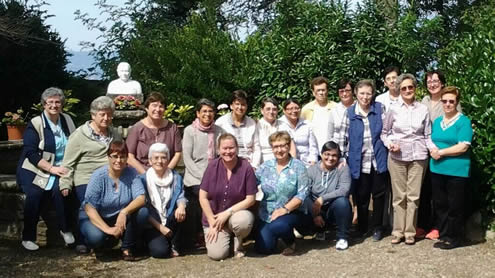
x: 313, y: 259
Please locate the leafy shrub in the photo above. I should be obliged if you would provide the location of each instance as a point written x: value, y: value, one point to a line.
x: 469, y: 63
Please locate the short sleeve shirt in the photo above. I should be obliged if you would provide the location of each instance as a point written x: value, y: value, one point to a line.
x: 279, y: 189
x: 140, y: 139
x: 224, y: 193
x: 459, y: 132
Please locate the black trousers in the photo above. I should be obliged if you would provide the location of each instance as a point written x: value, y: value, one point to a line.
x: 425, y: 209
x: 192, y: 226
x: 448, y: 200
x: 372, y: 184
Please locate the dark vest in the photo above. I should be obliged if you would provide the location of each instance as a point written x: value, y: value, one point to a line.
x: 356, y: 131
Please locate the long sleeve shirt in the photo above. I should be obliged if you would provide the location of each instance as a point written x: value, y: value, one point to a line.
x: 302, y: 134
x: 409, y: 126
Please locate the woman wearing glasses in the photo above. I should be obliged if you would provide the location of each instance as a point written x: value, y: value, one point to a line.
x: 450, y: 165
x: 300, y: 131
x: 366, y: 155
x: 110, y: 202
x: 434, y: 81
x: 406, y: 133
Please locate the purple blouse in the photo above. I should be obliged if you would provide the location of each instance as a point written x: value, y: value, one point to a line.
x: 140, y: 139
x: 223, y: 193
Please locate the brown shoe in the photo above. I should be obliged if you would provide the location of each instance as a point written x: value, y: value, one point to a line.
x: 396, y: 240
x: 410, y: 240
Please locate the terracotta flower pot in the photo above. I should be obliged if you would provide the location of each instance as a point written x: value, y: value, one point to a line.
x: 15, y: 132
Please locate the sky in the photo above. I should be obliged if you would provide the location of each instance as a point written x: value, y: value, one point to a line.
x: 63, y: 21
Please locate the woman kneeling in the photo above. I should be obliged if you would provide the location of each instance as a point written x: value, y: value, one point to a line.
x: 227, y: 190
x: 110, y: 202
x: 166, y: 204
x: 284, y: 182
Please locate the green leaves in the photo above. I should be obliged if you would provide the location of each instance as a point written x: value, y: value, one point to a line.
x: 469, y: 64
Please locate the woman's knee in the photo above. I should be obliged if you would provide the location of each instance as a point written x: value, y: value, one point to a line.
x: 218, y: 253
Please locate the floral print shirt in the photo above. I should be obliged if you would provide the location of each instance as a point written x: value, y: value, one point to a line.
x: 279, y: 189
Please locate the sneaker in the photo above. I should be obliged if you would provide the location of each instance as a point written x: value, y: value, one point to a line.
x: 342, y: 244
x: 434, y: 234
x: 320, y: 236
x: 297, y: 234
x: 29, y: 245
x: 377, y: 235
x: 420, y: 233
x: 68, y: 237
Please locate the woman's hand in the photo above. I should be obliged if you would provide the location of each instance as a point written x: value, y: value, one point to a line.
x: 220, y: 219
x: 318, y: 221
x: 166, y: 231
x: 65, y: 192
x: 58, y: 171
x: 114, y: 231
x: 180, y: 213
x: 317, y: 206
x: 393, y: 147
x: 277, y: 213
x: 212, y: 235
x: 121, y: 220
x: 435, y: 154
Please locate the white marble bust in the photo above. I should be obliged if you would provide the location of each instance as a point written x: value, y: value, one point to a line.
x: 124, y: 85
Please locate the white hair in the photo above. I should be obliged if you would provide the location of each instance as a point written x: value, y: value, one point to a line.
x: 158, y: 148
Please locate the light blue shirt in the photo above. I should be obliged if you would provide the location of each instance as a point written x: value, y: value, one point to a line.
x: 60, y: 142
x: 101, y: 193
x: 279, y: 189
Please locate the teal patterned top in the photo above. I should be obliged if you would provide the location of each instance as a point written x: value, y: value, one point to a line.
x: 279, y: 189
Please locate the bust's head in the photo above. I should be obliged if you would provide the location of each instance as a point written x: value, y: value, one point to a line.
x: 124, y: 71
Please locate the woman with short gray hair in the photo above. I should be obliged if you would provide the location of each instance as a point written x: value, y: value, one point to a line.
x: 86, y: 151
x: 407, y: 135
x: 39, y: 168
x: 166, y: 205
x: 51, y: 93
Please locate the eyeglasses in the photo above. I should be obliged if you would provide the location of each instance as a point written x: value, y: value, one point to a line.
x: 407, y: 88
x: 445, y: 101
x: 293, y: 109
x: 115, y: 157
x: 159, y: 158
x: 281, y: 146
x: 57, y: 103
x: 344, y: 91
x: 429, y: 82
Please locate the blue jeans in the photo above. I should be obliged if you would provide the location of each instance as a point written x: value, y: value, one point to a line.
x: 79, y: 192
x: 95, y: 238
x: 267, y: 234
x: 338, y: 211
x: 38, y: 199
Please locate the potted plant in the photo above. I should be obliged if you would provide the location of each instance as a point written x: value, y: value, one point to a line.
x: 126, y: 103
x: 16, y: 124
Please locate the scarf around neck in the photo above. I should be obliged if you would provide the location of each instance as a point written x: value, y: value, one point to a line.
x: 160, y: 191
x: 211, y: 136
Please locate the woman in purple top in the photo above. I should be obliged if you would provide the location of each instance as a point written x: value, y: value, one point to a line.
x: 153, y: 129
x: 407, y: 135
x: 226, y: 192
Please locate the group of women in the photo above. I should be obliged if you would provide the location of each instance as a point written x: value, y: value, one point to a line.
x: 242, y: 177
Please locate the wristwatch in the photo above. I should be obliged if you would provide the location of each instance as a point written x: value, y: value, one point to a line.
x: 286, y: 209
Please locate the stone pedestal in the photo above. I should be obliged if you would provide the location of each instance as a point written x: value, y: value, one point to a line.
x: 124, y: 119
x: 10, y: 151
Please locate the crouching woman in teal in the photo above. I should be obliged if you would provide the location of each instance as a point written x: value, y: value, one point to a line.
x: 110, y: 203
x: 450, y: 167
x: 165, y: 208
x: 284, y: 182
